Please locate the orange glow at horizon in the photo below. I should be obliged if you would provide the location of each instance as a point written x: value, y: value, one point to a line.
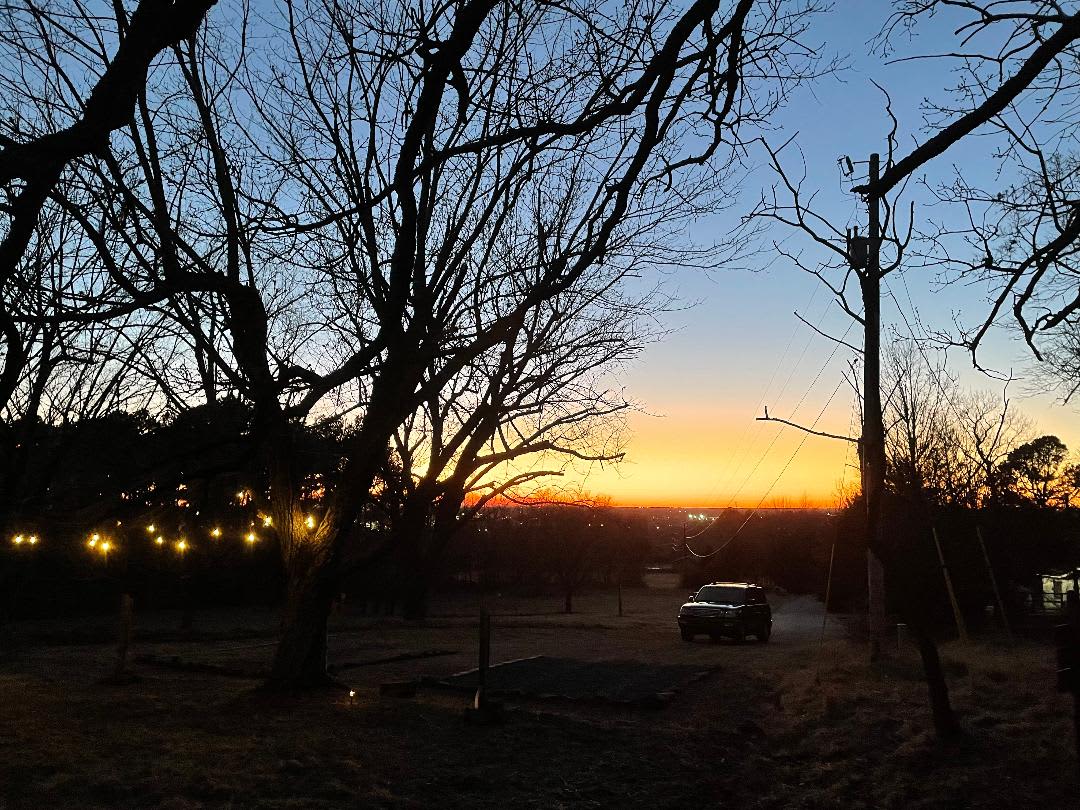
x: 692, y: 459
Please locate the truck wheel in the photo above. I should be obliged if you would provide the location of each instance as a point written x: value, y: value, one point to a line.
x: 764, y: 633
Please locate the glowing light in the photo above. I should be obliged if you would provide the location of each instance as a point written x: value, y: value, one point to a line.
x: 267, y: 521
x: 18, y: 539
x: 181, y: 546
x: 93, y: 541
x: 159, y: 540
x: 215, y: 532
x: 251, y: 538
x: 32, y: 539
x: 309, y: 521
x: 151, y: 528
x: 105, y: 547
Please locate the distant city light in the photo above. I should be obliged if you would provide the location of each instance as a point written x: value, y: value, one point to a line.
x: 215, y: 532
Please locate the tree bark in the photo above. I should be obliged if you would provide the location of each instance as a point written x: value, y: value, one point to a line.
x: 300, y: 658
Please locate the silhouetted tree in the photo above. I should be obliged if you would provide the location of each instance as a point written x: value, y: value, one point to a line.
x: 1035, y: 472
x: 365, y: 180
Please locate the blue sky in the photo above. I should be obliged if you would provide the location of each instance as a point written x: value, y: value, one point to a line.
x: 703, y: 382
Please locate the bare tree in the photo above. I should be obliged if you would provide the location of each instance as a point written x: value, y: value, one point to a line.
x: 989, y: 429
x: 528, y: 410
x: 1016, y: 63
x: 344, y: 207
x: 54, y: 116
x: 920, y: 441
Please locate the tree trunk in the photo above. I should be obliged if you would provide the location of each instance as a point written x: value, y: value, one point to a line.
x: 300, y: 658
x: 945, y: 722
x: 414, y: 600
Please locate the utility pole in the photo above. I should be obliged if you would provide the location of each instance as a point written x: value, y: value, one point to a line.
x: 864, y: 257
x: 864, y: 254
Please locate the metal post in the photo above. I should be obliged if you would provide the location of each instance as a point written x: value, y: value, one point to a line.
x: 960, y: 626
x: 993, y: 582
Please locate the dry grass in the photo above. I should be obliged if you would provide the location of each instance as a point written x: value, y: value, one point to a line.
x: 762, y: 733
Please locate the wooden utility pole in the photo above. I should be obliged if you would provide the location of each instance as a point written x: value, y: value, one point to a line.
x: 865, y: 254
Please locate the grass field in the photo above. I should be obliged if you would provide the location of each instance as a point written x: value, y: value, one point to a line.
x: 787, y: 724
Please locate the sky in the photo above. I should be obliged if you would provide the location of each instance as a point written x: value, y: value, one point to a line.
x: 736, y: 345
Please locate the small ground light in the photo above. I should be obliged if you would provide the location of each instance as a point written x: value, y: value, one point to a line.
x: 105, y: 547
x: 18, y: 539
x: 267, y: 521
x: 352, y: 696
x: 159, y: 540
x: 250, y: 537
x: 309, y: 521
x: 151, y: 528
x: 32, y: 539
x: 181, y: 546
x: 215, y: 532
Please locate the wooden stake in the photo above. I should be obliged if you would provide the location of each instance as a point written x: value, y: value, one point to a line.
x: 993, y: 582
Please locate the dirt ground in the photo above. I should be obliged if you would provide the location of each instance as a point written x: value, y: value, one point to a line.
x: 792, y: 723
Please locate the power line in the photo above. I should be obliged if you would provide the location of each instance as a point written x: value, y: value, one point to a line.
x: 776, y: 436
x: 771, y: 486
x: 742, y: 451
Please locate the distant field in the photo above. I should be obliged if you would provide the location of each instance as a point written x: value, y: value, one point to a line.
x: 762, y: 731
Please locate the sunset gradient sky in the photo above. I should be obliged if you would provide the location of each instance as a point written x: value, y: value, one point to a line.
x: 738, y: 344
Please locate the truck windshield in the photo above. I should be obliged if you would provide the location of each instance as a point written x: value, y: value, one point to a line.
x: 722, y: 593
